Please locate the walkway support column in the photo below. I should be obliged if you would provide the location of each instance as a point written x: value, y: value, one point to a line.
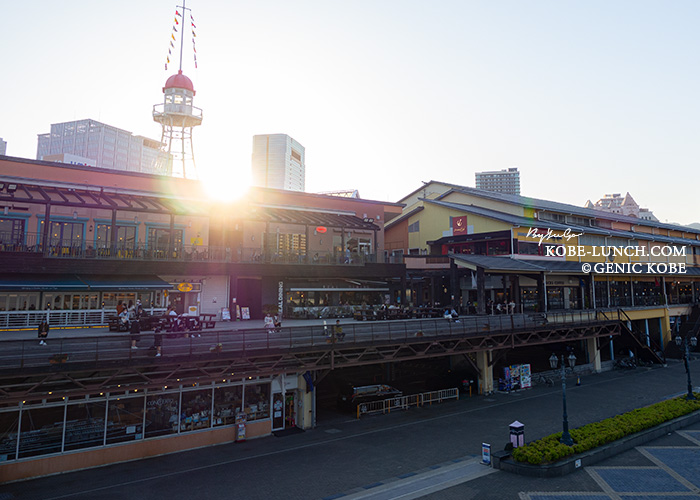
x: 485, y: 372
x: 594, y: 354
x: 480, y: 291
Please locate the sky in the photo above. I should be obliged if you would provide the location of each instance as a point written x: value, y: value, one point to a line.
x: 585, y: 98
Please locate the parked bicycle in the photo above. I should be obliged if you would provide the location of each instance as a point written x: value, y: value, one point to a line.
x: 625, y: 364
x: 541, y: 379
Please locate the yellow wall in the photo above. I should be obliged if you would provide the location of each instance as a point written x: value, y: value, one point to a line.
x: 467, y: 199
x: 435, y: 219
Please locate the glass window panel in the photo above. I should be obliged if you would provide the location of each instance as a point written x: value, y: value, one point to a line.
x: 9, y: 420
x: 257, y: 401
x: 125, y: 420
x: 228, y: 401
x: 162, y: 414
x: 85, y: 425
x: 42, y: 431
x: 196, y: 410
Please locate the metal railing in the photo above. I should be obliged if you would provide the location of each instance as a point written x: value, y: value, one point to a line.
x: 406, y: 402
x: 64, y: 317
x: 79, y: 248
x: 241, y: 343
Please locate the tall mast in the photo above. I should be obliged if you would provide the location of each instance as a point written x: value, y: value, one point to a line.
x: 182, y: 31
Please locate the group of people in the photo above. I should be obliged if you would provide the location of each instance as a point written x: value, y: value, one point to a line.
x: 272, y: 323
x: 500, y: 307
x: 334, y: 333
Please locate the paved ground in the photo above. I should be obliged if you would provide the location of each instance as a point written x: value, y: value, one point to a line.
x: 427, y: 452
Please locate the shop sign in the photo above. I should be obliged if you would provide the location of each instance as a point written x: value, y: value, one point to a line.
x: 459, y: 225
x: 280, y: 298
x: 486, y: 453
x: 184, y: 287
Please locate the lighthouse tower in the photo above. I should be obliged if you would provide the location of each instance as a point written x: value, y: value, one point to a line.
x: 177, y: 116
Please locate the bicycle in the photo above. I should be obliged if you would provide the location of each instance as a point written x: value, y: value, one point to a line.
x: 543, y: 380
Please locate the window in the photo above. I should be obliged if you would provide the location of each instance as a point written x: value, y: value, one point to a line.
x: 64, y: 234
x: 196, y: 410
x: 125, y: 419
x: 415, y: 227
x: 126, y: 236
x: 159, y: 238
x: 162, y: 414
x: 257, y: 401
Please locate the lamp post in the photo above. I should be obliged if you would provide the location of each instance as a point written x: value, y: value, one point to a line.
x: 682, y: 342
x: 553, y: 361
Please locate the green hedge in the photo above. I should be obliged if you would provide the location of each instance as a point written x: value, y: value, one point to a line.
x: 549, y: 449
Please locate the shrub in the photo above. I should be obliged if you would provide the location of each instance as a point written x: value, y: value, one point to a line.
x: 549, y: 449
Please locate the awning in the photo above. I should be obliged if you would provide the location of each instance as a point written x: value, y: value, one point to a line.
x: 40, y: 282
x: 125, y: 283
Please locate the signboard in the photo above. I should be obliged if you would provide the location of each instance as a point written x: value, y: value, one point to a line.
x: 459, y: 225
x: 486, y: 453
x: 245, y: 312
x: 184, y: 287
x: 280, y: 298
x: 193, y: 310
x: 225, y: 314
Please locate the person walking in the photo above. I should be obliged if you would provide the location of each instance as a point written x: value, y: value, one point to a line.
x: 135, y: 333
x: 338, y: 330
x: 43, y: 332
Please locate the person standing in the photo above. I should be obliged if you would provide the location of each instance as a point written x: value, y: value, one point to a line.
x: 135, y: 333
x: 43, y: 332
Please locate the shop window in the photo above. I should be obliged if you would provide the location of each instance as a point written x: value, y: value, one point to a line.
x: 9, y: 421
x: 196, y: 410
x: 257, y: 401
x: 125, y: 419
x: 162, y: 414
x: 159, y: 238
x: 126, y: 236
x: 41, y: 432
x: 228, y: 402
x: 85, y: 425
x: 11, y: 231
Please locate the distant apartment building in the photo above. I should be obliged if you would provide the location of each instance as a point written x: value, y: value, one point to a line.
x: 89, y: 142
x: 278, y: 162
x: 500, y: 181
x: 623, y: 205
x: 3, y: 147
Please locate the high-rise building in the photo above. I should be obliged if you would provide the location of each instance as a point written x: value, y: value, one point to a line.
x: 3, y: 147
x: 501, y: 181
x: 278, y: 162
x: 89, y: 142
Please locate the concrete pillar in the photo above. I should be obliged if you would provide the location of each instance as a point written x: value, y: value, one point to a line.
x: 661, y: 333
x: 480, y: 291
x: 593, y: 354
x: 485, y: 372
x: 542, y: 292
x: 307, y: 405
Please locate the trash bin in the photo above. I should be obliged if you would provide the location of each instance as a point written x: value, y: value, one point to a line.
x: 517, y: 434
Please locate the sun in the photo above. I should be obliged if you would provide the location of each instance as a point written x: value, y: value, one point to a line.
x: 225, y: 185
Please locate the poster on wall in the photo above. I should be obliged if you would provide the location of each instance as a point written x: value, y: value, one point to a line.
x: 225, y: 314
x: 245, y: 312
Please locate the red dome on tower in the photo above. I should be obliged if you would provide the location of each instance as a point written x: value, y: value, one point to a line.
x: 179, y: 81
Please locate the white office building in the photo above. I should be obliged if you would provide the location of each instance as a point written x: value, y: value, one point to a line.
x: 500, y: 181
x: 89, y: 142
x: 278, y: 162
x: 3, y: 147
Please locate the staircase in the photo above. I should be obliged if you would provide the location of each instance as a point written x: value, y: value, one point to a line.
x: 644, y: 347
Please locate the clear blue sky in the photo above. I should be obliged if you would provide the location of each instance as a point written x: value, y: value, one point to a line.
x: 586, y: 98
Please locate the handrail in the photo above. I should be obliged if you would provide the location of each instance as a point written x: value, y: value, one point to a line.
x: 25, y: 353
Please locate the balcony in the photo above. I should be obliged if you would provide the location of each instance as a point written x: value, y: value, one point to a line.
x: 31, y: 243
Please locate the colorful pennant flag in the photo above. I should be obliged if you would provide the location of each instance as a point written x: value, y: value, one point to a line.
x: 177, y: 13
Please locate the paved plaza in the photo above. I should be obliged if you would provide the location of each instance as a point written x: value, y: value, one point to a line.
x: 429, y: 452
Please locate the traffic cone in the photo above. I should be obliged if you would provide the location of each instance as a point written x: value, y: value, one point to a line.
x: 578, y: 380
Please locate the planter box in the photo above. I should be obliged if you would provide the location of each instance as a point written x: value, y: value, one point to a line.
x: 503, y: 460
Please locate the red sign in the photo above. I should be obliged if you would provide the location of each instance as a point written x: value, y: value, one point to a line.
x: 459, y: 225
x: 321, y: 229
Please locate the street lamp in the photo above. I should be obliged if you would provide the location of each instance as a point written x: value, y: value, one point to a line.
x: 553, y: 361
x: 682, y: 342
